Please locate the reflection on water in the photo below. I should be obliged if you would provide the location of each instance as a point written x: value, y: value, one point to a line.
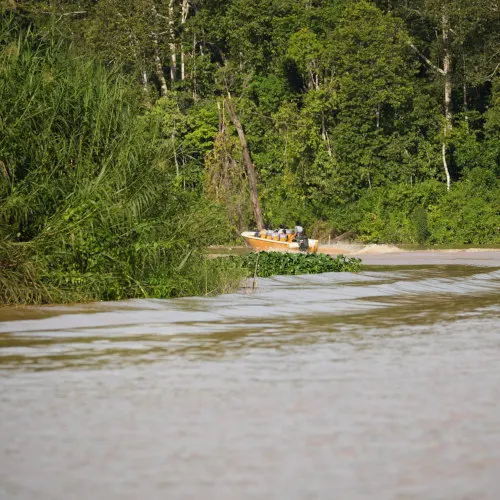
x: 383, y: 384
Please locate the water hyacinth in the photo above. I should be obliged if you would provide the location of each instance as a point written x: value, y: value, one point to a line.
x: 265, y: 264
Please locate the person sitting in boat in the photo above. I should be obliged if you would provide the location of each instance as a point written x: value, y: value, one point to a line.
x: 282, y: 233
x: 262, y: 233
x: 269, y: 233
x: 276, y: 235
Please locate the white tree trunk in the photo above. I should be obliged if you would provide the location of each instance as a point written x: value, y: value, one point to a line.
x: 184, y: 15
x: 324, y: 135
x: 159, y: 68
x: 445, y: 165
x: 193, y: 75
x: 447, y: 93
x: 144, y: 78
x: 172, y: 138
x: 183, y: 73
x: 446, y: 71
x: 157, y: 59
x: 173, y: 55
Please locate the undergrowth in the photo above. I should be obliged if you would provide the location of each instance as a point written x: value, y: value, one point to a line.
x: 91, y: 207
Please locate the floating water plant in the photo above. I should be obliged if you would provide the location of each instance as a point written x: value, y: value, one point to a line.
x: 265, y: 264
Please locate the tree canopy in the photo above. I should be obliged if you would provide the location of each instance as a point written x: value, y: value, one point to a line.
x: 353, y: 115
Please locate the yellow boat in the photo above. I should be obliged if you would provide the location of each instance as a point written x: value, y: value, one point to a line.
x: 271, y: 245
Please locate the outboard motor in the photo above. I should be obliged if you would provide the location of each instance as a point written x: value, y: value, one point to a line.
x: 304, y: 244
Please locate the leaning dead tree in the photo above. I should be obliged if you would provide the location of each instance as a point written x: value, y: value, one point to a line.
x: 252, y: 178
x: 225, y: 175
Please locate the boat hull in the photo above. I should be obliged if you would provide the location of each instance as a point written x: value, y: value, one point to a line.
x: 266, y: 245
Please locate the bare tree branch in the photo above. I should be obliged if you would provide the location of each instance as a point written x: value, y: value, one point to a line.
x: 75, y: 13
x: 427, y: 60
x: 489, y: 77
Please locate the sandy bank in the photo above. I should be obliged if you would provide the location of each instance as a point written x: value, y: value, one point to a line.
x: 389, y: 255
x: 358, y: 249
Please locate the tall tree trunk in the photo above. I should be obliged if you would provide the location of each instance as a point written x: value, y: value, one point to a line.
x: 193, y: 75
x: 157, y: 59
x: 171, y: 44
x: 174, y: 150
x: 220, y: 114
x: 144, y: 78
x: 445, y: 164
x: 183, y: 74
x: 446, y: 71
x: 252, y: 179
x: 466, y: 106
x: 447, y: 92
x: 159, y: 67
x: 324, y: 135
x: 184, y: 14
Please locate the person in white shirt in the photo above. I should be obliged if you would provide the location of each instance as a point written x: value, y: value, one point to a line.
x: 298, y: 232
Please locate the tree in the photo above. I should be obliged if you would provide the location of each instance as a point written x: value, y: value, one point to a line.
x: 372, y: 79
x: 252, y: 179
x: 306, y: 51
x: 492, y: 126
x: 225, y: 179
x: 131, y: 33
x: 458, y: 53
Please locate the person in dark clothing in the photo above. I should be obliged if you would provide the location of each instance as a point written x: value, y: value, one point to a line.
x: 299, y: 236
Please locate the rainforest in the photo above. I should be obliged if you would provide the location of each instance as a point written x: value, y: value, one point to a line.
x: 136, y: 134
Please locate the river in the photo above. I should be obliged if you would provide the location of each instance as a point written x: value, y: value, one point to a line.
x: 379, y: 385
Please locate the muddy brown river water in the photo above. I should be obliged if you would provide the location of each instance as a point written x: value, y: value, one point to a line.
x: 378, y: 385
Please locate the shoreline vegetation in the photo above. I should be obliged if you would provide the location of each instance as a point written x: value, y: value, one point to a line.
x: 266, y: 264
x: 121, y: 165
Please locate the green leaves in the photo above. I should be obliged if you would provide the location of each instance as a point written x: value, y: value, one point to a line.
x: 265, y: 264
x: 109, y: 183
x: 93, y: 203
x: 368, y: 56
x: 306, y: 51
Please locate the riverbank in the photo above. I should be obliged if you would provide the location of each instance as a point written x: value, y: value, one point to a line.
x: 390, y: 255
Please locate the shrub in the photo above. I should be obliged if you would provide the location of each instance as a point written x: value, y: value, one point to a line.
x: 419, y: 218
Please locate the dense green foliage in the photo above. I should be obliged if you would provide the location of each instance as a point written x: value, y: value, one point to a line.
x: 119, y: 163
x: 265, y: 264
x: 88, y: 208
